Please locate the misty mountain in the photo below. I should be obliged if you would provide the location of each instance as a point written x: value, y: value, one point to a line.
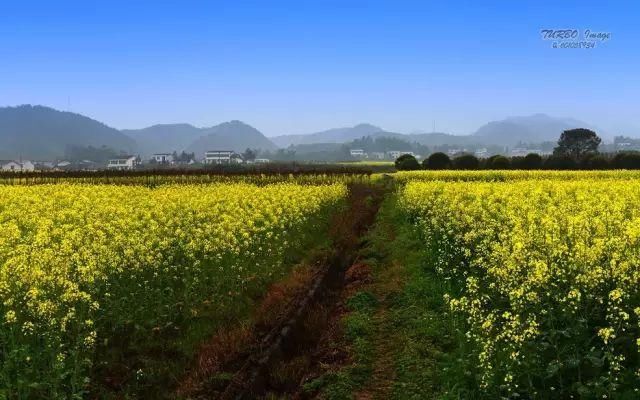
x: 233, y: 135
x: 345, y: 135
x: 164, y: 138
x: 42, y: 133
x: 528, y: 129
x: 536, y: 128
x: 336, y: 135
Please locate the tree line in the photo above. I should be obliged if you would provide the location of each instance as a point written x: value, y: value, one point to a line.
x: 576, y: 149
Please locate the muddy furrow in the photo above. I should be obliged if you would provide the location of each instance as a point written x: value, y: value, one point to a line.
x: 280, y: 354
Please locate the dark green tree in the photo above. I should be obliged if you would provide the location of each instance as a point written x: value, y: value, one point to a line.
x: 626, y: 160
x: 466, y: 161
x: 560, y: 162
x: 249, y: 155
x: 576, y: 143
x: 437, y: 160
x: 184, y: 157
x: 532, y: 161
x: 594, y: 161
x: 407, y: 162
x: 498, y: 162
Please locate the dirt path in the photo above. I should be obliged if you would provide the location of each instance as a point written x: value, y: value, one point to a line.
x: 392, y: 327
x: 298, y: 323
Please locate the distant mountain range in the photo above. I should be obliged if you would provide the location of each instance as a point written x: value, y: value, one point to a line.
x: 233, y: 135
x: 348, y: 134
x: 42, y: 133
x: 536, y: 128
x: 336, y: 135
x: 530, y: 129
x: 164, y: 138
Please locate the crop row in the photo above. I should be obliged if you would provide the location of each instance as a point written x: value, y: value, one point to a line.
x: 90, y: 272
x: 511, y: 175
x: 546, y: 275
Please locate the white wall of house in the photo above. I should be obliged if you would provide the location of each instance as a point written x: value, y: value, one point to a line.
x: 396, y: 153
x: 18, y: 166
x: 163, y: 158
x: 28, y: 166
x: 123, y: 163
x: 11, y: 166
x: 218, y: 157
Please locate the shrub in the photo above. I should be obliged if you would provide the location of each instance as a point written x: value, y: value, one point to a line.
x: 560, y: 162
x: 437, y: 160
x: 594, y: 161
x: 498, y: 162
x: 532, y: 161
x: 407, y: 162
x: 466, y: 161
x: 626, y: 160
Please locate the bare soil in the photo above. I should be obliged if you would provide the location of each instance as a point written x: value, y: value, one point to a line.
x: 295, y: 333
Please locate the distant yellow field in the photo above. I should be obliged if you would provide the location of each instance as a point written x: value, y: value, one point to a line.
x: 511, y: 175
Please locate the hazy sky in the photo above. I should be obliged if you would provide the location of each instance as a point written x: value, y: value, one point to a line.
x: 303, y: 66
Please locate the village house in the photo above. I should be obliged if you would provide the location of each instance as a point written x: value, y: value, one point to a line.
x: 358, y: 153
x: 521, y: 152
x: 123, y: 163
x: 481, y: 153
x: 17, y: 166
x: 62, y: 164
x: 163, y: 158
x: 222, y: 157
x: 394, y: 154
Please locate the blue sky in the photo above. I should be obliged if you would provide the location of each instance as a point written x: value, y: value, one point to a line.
x: 299, y: 67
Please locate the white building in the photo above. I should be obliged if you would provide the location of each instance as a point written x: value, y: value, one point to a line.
x: 220, y: 157
x: 518, y: 152
x: 17, y: 166
x: 262, y: 161
x: 163, y: 158
x: 481, y: 153
x: 62, y: 164
x: 377, y: 155
x: 521, y: 152
x: 357, y: 153
x: 394, y: 154
x: 128, y: 162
